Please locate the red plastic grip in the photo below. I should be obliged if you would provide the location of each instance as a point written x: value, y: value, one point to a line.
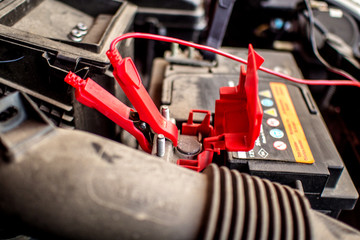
x: 93, y: 95
x: 128, y: 77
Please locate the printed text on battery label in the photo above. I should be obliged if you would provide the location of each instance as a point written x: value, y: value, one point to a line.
x: 293, y: 128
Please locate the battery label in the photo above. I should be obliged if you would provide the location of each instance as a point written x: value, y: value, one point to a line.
x: 292, y: 125
x: 281, y: 136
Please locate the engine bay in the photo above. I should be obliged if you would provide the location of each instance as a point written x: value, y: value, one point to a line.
x: 183, y: 119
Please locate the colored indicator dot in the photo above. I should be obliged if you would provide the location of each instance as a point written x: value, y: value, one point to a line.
x: 276, y: 133
x: 267, y: 102
x: 273, y: 122
x: 280, y: 145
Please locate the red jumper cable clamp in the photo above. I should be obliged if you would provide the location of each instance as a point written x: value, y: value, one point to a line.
x: 93, y: 95
x: 128, y: 77
x: 237, y: 120
x: 238, y: 116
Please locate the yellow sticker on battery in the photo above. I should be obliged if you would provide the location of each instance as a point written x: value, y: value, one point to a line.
x: 299, y: 144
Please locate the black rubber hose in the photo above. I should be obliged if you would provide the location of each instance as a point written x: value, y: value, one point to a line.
x: 63, y: 184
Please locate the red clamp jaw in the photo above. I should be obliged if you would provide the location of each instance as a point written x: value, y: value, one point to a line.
x: 127, y: 76
x: 93, y: 95
x: 238, y: 116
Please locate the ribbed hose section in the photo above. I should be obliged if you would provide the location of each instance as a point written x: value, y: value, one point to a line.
x: 247, y: 207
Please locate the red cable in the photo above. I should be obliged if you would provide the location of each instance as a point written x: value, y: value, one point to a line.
x: 352, y: 82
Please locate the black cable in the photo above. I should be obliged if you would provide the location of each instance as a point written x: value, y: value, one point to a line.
x: 315, y: 49
x: 12, y: 60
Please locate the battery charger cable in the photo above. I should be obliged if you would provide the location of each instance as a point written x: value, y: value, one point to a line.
x: 113, y: 52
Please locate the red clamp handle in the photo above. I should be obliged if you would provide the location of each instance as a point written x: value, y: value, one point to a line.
x: 128, y: 77
x: 93, y: 95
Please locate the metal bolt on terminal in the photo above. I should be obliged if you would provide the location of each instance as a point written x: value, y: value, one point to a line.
x: 175, y: 49
x: 165, y: 112
x: 160, y: 145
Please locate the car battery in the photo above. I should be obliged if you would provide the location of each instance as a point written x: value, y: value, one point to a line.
x: 41, y: 40
x: 294, y: 146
